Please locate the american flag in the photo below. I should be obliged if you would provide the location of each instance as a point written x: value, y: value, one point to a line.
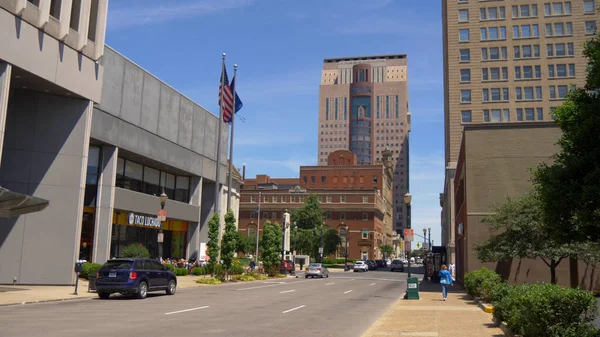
x: 225, y: 97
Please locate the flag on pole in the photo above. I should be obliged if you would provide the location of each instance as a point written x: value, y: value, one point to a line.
x: 238, y: 102
x: 225, y: 97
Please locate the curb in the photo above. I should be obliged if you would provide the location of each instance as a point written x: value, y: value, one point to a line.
x: 486, y: 307
x: 46, y: 301
x: 504, y: 328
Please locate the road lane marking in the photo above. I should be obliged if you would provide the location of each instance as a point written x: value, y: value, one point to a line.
x: 328, y: 284
x: 349, y: 291
x: 286, y: 291
x: 273, y: 285
x: 186, y: 310
x: 296, y: 308
x: 372, y: 284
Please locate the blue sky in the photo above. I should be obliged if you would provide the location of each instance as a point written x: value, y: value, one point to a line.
x: 279, y: 47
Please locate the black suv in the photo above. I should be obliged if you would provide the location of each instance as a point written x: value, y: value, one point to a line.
x: 134, y: 277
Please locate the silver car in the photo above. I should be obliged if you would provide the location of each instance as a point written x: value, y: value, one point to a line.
x: 397, y: 265
x: 316, y: 270
x: 361, y: 266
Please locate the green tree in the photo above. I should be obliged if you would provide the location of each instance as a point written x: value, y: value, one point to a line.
x: 310, y: 215
x: 418, y: 252
x: 518, y: 231
x: 570, y: 187
x: 331, y: 241
x: 270, y: 246
x: 243, y: 242
x: 213, y: 242
x: 386, y: 250
x: 228, y: 243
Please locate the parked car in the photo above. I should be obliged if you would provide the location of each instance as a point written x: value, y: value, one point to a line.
x: 372, y: 265
x: 316, y: 270
x: 397, y: 265
x: 360, y: 266
x: 290, y: 267
x: 380, y: 263
x: 134, y: 277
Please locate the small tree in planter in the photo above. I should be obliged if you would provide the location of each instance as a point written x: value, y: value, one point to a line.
x: 270, y: 247
x: 213, y: 243
x: 135, y: 250
x: 229, y: 241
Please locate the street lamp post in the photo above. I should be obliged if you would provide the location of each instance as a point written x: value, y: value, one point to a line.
x: 346, y: 254
x: 407, y: 200
x: 163, y: 200
x: 321, y: 245
x: 295, y: 243
x: 430, y: 248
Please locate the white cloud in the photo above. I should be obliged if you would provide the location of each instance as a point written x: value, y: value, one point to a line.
x: 152, y: 12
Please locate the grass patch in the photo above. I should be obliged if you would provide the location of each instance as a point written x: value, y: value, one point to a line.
x: 208, y: 280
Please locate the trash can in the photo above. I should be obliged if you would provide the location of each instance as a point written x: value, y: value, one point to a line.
x: 412, y: 288
x: 92, y: 283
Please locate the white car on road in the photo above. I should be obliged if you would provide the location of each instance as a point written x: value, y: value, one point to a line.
x: 360, y: 266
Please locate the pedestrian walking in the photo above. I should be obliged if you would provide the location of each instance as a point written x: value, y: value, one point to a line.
x: 252, y: 265
x: 445, y: 280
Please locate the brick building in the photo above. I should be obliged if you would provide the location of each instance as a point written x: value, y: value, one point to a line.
x: 357, y: 196
x: 493, y: 162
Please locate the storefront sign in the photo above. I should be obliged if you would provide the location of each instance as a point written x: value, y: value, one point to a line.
x: 364, y: 242
x: 143, y: 220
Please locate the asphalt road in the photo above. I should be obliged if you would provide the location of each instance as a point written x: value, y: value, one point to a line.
x: 345, y: 304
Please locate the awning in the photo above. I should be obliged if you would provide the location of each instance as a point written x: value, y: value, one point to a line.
x: 13, y: 204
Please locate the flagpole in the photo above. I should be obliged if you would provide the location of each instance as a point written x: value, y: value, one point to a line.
x: 258, y: 227
x: 231, y: 140
x: 218, y: 170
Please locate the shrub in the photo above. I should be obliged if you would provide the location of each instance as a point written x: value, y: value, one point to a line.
x: 481, y: 283
x: 199, y: 271
x: 170, y: 266
x: 88, y: 269
x: 219, y: 272
x: 135, y: 250
x: 181, y: 271
x: 280, y: 275
x: 242, y: 278
x: 331, y: 260
x: 236, y: 269
x: 256, y: 276
x: 208, y: 280
x: 547, y: 310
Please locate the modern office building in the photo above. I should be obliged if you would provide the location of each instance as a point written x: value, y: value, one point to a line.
x: 363, y: 108
x: 357, y: 196
x: 94, y: 139
x: 507, y: 62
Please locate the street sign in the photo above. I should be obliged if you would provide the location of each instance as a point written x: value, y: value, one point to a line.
x: 409, y: 234
x: 162, y: 215
x: 320, y: 250
x: 418, y: 245
x: 161, y: 237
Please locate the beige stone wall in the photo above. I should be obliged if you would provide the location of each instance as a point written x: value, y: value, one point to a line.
x: 453, y: 108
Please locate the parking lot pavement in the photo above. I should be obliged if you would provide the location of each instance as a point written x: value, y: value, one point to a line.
x: 280, y: 307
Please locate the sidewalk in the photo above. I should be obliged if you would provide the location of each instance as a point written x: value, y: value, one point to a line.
x: 430, y: 316
x: 11, y: 295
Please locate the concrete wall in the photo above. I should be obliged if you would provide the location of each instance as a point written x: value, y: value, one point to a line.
x: 155, y: 121
x: 45, y: 155
x: 29, y: 48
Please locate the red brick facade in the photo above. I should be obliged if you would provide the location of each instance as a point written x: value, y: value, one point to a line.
x: 351, y: 195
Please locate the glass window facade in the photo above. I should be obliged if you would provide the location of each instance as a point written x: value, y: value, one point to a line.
x: 148, y: 180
